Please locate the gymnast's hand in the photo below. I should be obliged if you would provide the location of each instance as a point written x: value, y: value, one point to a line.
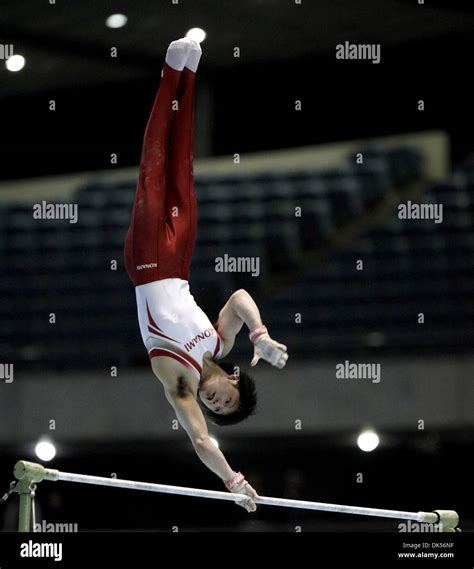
x: 265, y: 348
x: 238, y: 485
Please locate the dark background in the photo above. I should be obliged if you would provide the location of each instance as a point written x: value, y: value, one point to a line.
x: 104, y: 107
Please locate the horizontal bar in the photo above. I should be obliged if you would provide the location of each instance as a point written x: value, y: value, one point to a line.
x: 35, y: 472
x: 214, y: 494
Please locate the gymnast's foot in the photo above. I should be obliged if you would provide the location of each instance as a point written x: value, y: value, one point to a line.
x: 178, y: 52
x: 194, y: 56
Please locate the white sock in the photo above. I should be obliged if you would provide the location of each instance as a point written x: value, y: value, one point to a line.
x: 194, y: 56
x: 177, y: 53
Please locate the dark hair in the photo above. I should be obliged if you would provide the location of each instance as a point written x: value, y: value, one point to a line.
x: 248, y: 398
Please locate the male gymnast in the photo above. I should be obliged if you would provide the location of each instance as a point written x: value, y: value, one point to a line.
x: 182, y: 344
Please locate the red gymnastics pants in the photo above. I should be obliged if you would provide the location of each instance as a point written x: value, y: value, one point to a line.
x: 161, y: 238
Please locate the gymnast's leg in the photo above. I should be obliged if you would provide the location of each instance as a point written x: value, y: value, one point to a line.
x: 180, y: 198
x: 148, y: 222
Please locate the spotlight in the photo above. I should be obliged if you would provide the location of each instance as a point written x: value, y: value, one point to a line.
x: 196, y: 34
x: 368, y: 441
x: 15, y: 63
x: 214, y: 442
x: 116, y: 21
x: 45, y: 450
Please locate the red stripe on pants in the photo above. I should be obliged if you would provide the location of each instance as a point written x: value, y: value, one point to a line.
x: 161, y: 237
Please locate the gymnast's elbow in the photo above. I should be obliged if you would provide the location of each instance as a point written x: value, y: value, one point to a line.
x: 201, y: 443
x: 239, y: 294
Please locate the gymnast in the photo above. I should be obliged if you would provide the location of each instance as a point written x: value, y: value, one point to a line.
x: 183, y: 346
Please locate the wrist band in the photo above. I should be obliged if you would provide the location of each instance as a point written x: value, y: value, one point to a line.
x: 236, y: 480
x: 256, y: 332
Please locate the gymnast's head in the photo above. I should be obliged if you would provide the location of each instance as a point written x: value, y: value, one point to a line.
x: 228, y: 395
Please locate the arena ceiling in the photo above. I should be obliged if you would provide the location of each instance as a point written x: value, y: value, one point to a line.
x: 67, y: 44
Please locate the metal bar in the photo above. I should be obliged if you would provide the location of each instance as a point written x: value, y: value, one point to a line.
x: 28, y: 472
x: 213, y: 494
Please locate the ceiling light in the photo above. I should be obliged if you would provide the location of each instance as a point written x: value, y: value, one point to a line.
x: 116, y: 21
x: 368, y: 441
x: 196, y: 34
x: 15, y: 63
x: 214, y: 442
x: 45, y: 450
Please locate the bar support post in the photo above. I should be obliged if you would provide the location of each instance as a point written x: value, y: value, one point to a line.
x: 27, y: 474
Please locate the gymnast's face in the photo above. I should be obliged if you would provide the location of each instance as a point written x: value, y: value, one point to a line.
x: 220, y: 394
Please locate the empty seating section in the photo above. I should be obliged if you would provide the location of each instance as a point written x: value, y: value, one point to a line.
x: 414, y: 294
x: 65, y: 299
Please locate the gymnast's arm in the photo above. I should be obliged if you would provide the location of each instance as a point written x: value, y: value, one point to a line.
x: 240, y: 309
x: 192, y: 420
